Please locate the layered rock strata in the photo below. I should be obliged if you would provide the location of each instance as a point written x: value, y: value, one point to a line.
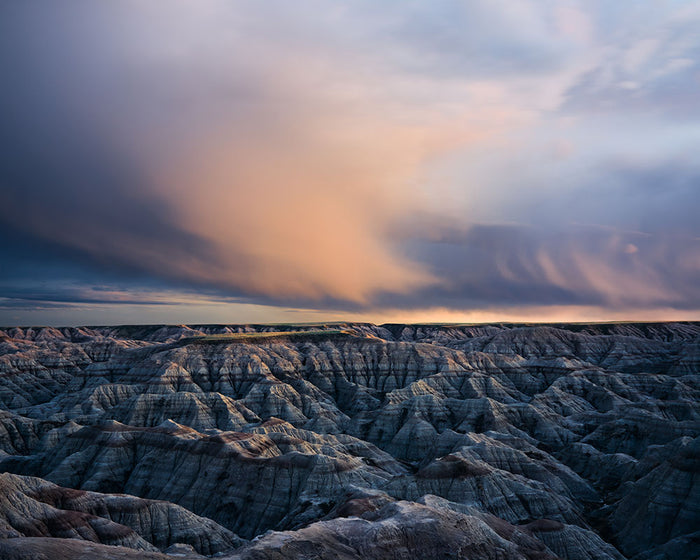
x: 351, y: 441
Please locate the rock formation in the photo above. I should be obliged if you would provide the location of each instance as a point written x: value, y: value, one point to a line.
x: 351, y: 441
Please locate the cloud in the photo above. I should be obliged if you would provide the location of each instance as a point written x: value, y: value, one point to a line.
x: 349, y: 157
x: 481, y: 39
x: 509, y: 265
x: 273, y: 173
x: 649, y: 63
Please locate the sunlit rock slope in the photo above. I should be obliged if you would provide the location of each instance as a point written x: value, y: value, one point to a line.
x: 351, y: 441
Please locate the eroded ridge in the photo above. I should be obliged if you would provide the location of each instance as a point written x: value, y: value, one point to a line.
x: 351, y: 441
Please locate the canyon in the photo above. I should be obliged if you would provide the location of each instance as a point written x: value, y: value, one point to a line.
x: 351, y: 440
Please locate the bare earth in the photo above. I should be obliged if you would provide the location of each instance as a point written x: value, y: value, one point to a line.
x: 351, y: 441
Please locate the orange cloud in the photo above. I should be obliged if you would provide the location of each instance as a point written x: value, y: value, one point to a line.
x: 299, y: 194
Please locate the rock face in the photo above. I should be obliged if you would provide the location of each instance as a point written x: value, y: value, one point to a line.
x: 32, y: 507
x: 351, y: 441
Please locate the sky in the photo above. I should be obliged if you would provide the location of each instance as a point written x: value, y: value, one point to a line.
x: 414, y: 161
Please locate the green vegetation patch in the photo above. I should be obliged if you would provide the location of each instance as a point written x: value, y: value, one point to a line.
x: 258, y: 337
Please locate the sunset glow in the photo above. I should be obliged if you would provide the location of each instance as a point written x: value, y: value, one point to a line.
x: 312, y: 161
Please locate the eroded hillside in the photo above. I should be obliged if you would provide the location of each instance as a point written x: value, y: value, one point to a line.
x: 351, y: 441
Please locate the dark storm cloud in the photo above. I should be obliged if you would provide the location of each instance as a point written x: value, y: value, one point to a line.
x: 505, y: 265
x: 623, y: 236
x: 76, y: 198
x: 149, y: 143
x: 69, y: 186
x: 655, y: 197
x: 279, y: 154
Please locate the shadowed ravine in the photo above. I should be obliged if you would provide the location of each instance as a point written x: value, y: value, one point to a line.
x: 349, y: 441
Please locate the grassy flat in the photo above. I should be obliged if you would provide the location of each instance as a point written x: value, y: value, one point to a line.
x: 251, y: 338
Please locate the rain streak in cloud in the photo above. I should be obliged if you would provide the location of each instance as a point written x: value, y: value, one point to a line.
x: 355, y: 157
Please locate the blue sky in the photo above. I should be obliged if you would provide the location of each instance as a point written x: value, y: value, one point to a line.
x: 410, y: 161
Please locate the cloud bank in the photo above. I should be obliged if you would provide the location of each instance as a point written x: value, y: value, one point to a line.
x: 350, y: 157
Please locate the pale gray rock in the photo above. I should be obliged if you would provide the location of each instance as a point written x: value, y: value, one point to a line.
x: 503, y: 494
x: 32, y: 507
x: 23, y: 515
x: 42, y: 548
x: 686, y: 546
x: 572, y: 542
x: 662, y: 505
x: 568, y: 440
x: 398, y: 531
x: 257, y: 476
